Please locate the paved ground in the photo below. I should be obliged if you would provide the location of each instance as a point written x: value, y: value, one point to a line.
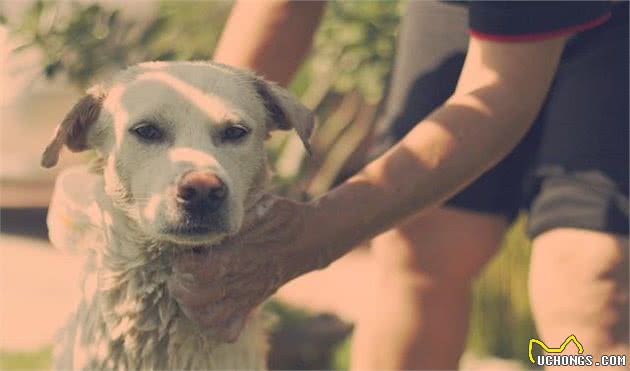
x: 37, y: 291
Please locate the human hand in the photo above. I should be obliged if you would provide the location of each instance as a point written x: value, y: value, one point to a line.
x: 219, y: 287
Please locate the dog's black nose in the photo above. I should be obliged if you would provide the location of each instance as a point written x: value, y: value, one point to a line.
x: 201, y: 190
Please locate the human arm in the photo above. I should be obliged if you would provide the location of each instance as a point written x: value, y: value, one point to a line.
x: 269, y: 37
x: 500, y: 91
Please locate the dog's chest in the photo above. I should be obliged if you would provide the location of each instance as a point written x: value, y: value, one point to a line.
x: 127, y: 320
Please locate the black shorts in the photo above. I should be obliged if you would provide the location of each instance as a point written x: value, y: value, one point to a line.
x: 571, y: 169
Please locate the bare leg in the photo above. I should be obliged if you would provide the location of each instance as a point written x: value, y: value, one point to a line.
x: 419, y: 318
x: 579, y: 285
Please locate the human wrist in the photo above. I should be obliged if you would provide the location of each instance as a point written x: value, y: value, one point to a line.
x: 317, y: 239
x: 306, y: 252
x: 323, y: 240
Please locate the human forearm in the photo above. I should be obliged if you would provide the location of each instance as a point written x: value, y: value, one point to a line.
x: 485, y: 118
x: 432, y: 163
x: 269, y: 37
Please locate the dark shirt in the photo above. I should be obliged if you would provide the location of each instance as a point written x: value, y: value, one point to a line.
x: 534, y: 20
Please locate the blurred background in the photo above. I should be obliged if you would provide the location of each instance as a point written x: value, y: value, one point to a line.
x: 52, y: 51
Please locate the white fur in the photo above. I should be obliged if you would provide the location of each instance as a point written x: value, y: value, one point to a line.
x: 126, y: 318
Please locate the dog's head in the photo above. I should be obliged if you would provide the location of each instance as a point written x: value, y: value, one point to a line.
x: 181, y: 144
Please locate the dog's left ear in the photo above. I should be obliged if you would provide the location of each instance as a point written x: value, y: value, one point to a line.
x: 285, y: 111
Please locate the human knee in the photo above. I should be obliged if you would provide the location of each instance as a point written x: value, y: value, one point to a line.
x: 444, y: 247
x: 581, y: 255
x: 579, y: 283
x: 579, y: 226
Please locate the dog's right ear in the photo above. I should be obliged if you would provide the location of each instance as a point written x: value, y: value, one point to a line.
x: 73, y: 129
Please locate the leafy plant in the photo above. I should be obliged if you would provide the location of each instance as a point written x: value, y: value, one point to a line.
x: 85, y: 41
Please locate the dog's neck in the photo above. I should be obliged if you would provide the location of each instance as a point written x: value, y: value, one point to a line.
x: 137, y: 310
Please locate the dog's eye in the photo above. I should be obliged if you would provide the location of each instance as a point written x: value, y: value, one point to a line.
x: 234, y: 133
x: 148, y: 132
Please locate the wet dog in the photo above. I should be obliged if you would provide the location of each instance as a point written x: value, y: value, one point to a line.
x: 181, y: 158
